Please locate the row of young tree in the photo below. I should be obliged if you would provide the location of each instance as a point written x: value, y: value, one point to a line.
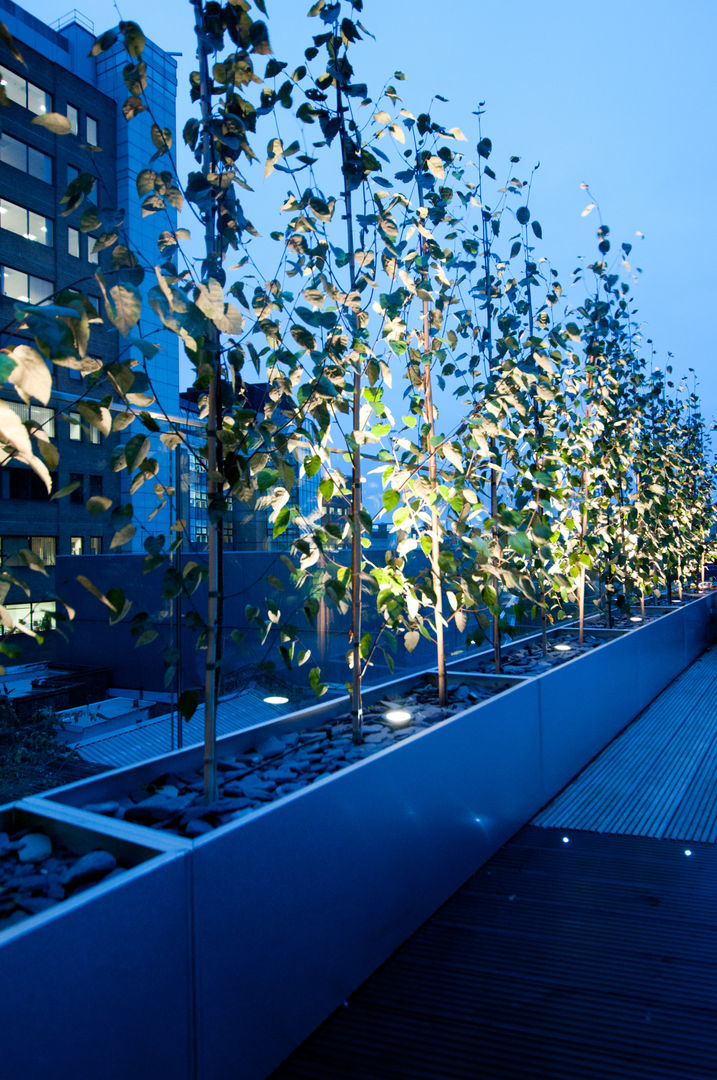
x: 533, y: 459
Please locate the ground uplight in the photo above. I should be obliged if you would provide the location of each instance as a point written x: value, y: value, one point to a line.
x: 398, y: 717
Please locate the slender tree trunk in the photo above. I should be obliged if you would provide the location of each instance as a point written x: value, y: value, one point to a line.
x: 214, y: 553
x: 543, y: 622
x: 581, y: 575
x: 497, y: 651
x: 435, y: 523
x: 584, y: 483
x: 356, y: 492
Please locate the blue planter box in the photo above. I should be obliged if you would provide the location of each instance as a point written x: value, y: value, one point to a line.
x: 294, y: 905
x: 100, y: 985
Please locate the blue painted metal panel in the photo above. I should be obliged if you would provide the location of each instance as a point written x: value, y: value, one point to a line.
x: 100, y: 985
x: 584, y: 704
x: 295, y: 907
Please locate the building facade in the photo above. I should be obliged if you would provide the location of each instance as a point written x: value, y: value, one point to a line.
x: 44, y: 250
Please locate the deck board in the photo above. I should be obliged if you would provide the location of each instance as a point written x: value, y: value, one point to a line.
x: 585, y: 949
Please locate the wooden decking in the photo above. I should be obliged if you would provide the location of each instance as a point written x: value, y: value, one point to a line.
x: 586, y: 948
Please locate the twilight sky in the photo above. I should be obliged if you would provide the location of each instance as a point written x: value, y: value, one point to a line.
x: 616, y: 96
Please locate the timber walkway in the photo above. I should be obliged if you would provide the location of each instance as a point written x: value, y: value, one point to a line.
x: 585, y: 948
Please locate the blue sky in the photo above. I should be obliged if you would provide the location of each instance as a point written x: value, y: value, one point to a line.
x: 618, y: 96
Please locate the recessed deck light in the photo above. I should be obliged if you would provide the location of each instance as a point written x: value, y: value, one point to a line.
x: 562, y: 647
x: 688, y: 852
x: 566, y: 839
x: 276, y: 699
x: 635, y: 618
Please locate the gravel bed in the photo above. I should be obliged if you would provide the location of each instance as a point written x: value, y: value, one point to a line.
x: 280, y: 765
x: 529, y: 660
x: 37, y: 872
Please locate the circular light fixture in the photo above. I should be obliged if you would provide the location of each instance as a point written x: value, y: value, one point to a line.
x: 276, y: 700
x: 398, y: 717
x: 562, y: 647
x: 687, y: 852
x: 635, y: 618
x: 566, y: 839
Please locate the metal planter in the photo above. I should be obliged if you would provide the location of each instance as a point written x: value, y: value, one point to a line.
x: 295, y: 904
x: 100, y: 984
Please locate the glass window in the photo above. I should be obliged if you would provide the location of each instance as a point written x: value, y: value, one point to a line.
x: 13, y: 217
x: 39, y: 228
x: 13, y: 152
x: 25, y: 484
x: 40, y: 289
x: 72, y: 173
x: 73, y: 242
x: 39, y: 164
x: 95, y: 482
x: 25, y: 222
x: 25, y: 287
x: 73, y: 117
x: 23, y: 411
x: 44, y: 418
x: 45, y: 547
x: 92, y: 256
x: 11, y: 548
x: 75, y: 426
x: 92, y: 131
x: 96, y: 438
x: 15, y: 284
x: 25, y: 93
x: 77, y: 496
x: 15, y: 86
x: 95, y: 545
x: 38, y: 101
x: 76, y: 545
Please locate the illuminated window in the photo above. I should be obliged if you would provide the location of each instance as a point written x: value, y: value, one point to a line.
x: 25, y: 222
x: 76, y: 545
x: 38, y: 414
x: 75, y: 426
x: 25, y: 287
x: 25, y: 93
x: 73, y: 117
x: 45, y: 547
x: 73, y: 242
x: 95, y: 545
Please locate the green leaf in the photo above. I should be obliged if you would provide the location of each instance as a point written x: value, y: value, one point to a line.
x: 136, y: 451
x: 390, y: 500
x: 484, y: 147
x: 523, y: 215
x: 489, y: 596
x: 411, y: 639
x: 520, y: 543
x: 326, y: 488
x: 365, y: 648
